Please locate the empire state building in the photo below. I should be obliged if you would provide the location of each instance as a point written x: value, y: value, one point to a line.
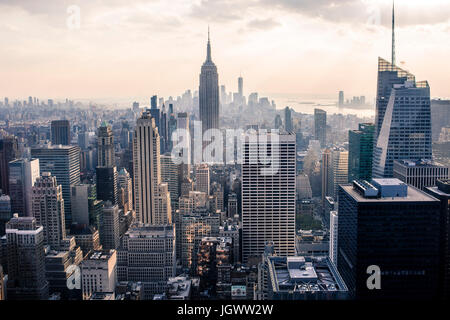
x: 209, y: 93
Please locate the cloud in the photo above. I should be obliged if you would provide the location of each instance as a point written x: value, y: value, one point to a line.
x: 367, y: 12
x: 221, y: 10
x: 263, y: 24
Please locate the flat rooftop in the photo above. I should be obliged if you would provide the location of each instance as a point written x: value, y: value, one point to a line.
x: 304, y: 274
x: 150, y: 231
x: 100, y: 255
x: 389, y: 182
x: 414, y: 195
x: 418, y: 164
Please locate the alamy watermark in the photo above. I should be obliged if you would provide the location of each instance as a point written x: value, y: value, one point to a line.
x: 226, y: 147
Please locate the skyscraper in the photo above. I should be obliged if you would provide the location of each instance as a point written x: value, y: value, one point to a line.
x: 442, y: 192
x: 169, y: 175
x: 202, y: 179
x: 333, y: 251
x: 5, y: 212
x: 320, y: 126
x: 393, y: 226
x: 106, y: 178
x: 268, y: 198
x: 106, y: 171
x: 125, y: 185
x: 209, y: 93
x: 288, y: 125
x: 99, y: 273
x: 241, y: 86
x: 63, y: 162
x: 420, y: 174
x: 26, y: 260
x: 9, y: 151
x: 341, y: 99
x: 105, y: 146
x: 22, y: 176
x: 147, y: 255
x: 340, y: 170
x: 404, y: 122
x: 48, y: 209
x: 2, y: 284
x: 360, y: 152
x: 147, y: 173
x: 163, y: 129
x: 326, y: 169
x: 60, y: 130
x: 109, y: 229
x: 403, y: 116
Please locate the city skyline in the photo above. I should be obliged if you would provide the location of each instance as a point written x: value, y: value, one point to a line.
x: 218, y: 190
x: 124, y: 51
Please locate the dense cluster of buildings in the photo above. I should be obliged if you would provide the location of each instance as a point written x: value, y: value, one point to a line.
x: 100, y: 207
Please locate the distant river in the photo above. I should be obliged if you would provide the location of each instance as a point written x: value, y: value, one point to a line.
x: 307, y: 104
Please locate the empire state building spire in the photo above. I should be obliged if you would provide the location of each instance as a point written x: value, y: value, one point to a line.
x: 208, y: 49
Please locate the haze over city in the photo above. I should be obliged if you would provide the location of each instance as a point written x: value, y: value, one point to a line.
x: 233, y: 152
x: 124, y: 50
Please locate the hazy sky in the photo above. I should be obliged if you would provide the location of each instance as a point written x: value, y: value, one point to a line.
x: 137, y: 48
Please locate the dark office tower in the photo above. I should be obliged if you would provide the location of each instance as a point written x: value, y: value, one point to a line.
x: 2, y: 284
x: 395, y: 227
x: 106, y: 171
x: 163, y: 130
x: 320, y: 126
x: 442, y: 192
x: 61, y: 132
x: 360, y: 152
x: 63, y: 162
x: 9, y: 151
x: 154, y: 102
x: 288, y: 125
x: 5, y: 214
x: 209, y: 93
x: 26, y: 260
x: 48, y: 209
x: 405, y: 129
x: 326, y: 170
x: 105, y: 146
x: 156, y: 114
x: 106, y: 179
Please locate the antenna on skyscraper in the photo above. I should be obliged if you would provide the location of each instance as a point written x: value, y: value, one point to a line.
x: 393, y: 32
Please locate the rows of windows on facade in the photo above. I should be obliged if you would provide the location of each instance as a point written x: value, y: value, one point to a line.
x: 98, y: 207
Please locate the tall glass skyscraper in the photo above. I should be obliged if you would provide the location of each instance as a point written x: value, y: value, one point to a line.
x: 320, y: 126
x: 360, y: 152
x: 403, y: 119
x: 63, y: 162
x: 209, y: 93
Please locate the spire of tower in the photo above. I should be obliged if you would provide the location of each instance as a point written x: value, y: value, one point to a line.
x: 393, y: 32
x: 208, y: 50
